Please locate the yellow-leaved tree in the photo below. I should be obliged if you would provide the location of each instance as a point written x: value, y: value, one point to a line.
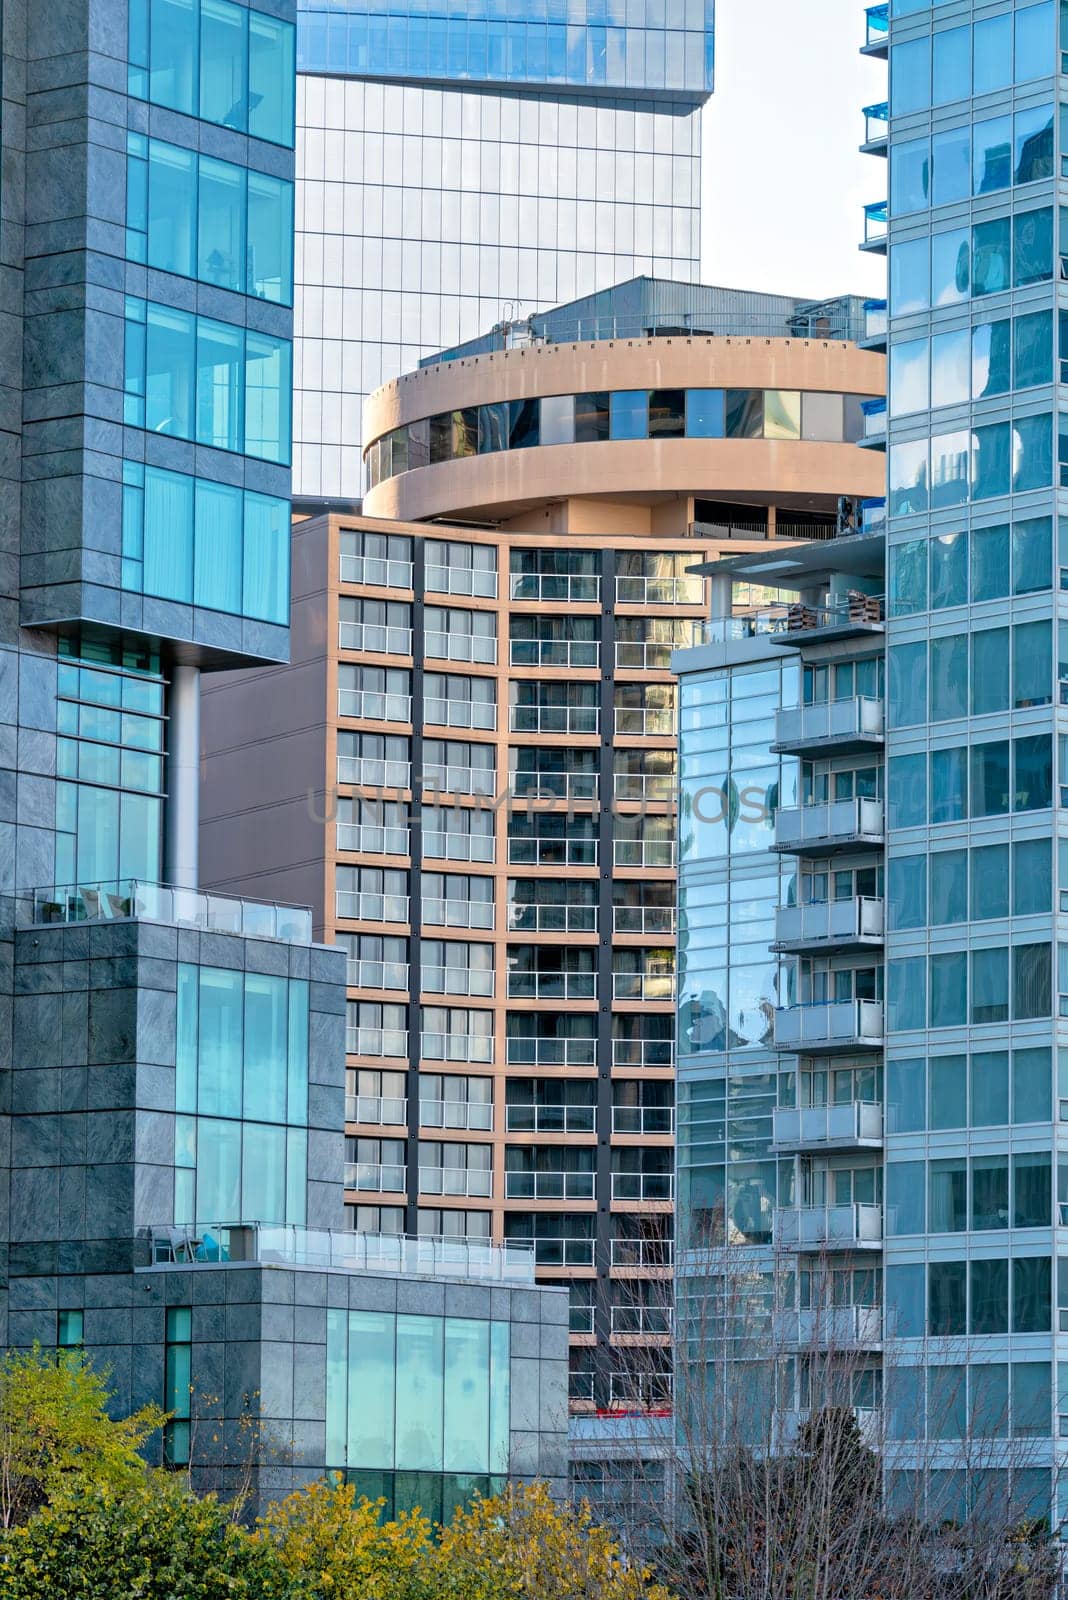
x: 332, y: 1544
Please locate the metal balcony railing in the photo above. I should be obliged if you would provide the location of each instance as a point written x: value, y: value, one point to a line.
x: 366, y: 974
x: 376, y: 571
x: 548, y: 1186
x: 358, y: 905
x: 643, y: 919
x: 444, y: 845
x: 457, y: 1046
x: 458, y: 981
x: 386, y: 1110
x: 830, y: 923
x: 652, y: 787
x: 641, y: 591
x: 550, y: 1119
x: 554, y: 719
x: 551, y: 850
x: 561, y: 1252
x: 543, y: 786
x: 552, y: 919
x: 466, y: 1115
x: 373, y: 706
x: 458, y: 913
x: 368, y: 839
x: 459, y: 713
x: 460, y: 580
x: 640, y: 1319
x: 646, y: 722
x: 814, y: 829
x: 370, y: 772
x: 643, y: 1052
x: 474, y: 647
x: 643, y: 1186
x: 580, y: 1319
x: 854, y: 724
x: 644, y: 985
x: 643, y: 1119
x: 375, y: 1177
x: 391, y: 1042
x: 858, y: 1124
x: 375, y: 638
x: 554, y: 653
x: 471, y: 1182
x: 551, y: 1052
x: 848, y: 1227
x: 647, y: 655
x: 643, y: 1252
x: 458, y: 780
x: 574, y: 588
x: 643, y: 853
x: 552, y: 985
x: 830, y: 1025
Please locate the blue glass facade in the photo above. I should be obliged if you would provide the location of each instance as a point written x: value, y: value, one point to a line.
x: 600, y: 45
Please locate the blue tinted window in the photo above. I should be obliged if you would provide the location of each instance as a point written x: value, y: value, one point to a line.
x: 1032, y: 246
x: 268, y: 396
x: 991, y: 256
x: 168, y: 535
x: 628, y: 414
x: 951, y: 267
x: 704, y: 413
x: 173, y: 54
x: 266, y: 558
x: 220, y: 357
x: 169, y: 337
x: 223, y: 63
x: 221, y: 224
x: 217, y: 551
x: 951, y: 78
x: 991, y: 358
x: 992, y: 54
x: 991, y: 446
x: 1035, y: 42
x: 270, y: 238
x: 992, y: 155
x: 910, y: 76
x: 910, y: 165
x: 171, y: 208
x: 910, y: 277
x: 907, y: 478
x: 1033, y: 349
x: 951, y: 164
x: 1033, y: 147
x: 1032, y: 453
x: 272, y: 78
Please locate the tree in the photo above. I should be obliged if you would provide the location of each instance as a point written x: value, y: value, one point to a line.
x: 523, y: 1542
x: 332, y: 1544
x: 155, y: 1541
x: 55, y: 1432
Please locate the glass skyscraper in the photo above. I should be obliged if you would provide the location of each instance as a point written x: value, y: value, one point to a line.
x: 457, y: 171
x: 885, y: 1002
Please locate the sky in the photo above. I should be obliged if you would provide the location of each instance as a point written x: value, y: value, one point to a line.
x: 783, y: 181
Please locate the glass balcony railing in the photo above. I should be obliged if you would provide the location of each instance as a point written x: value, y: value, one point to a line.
x: 460, y: 580
x: 463, y: 1115
x: 457, y: 1046
x: 643, y: 1119
x: 876, y: 28
x: 875, y: 225
x: 374, y: 706
x: 643, y: 1252
x: 441, y: 845
x: 830, y: 923
x: 831, y: 1327
x: 655, y: 985
x: 372, y: 773
x: 549, y: 1119
x: 643, y: 1186
x: 460, y: 647
x: 853, y: 724
x: 560, y: 1252
x: 874, y: 413
x: 457, y: 913
x: 376, y: 572
x: 552, y: 985
x: 459, y: 713
x: 554, y: 719
x: 834, y: 824
x: 368, y: 974
x: 377, y: 1042
x: 370, y: 839
x: 458, y: 980
x: 369, y: 906
x: 580, y: 588
x: 643, y: 1052
x: 643, y: 852
x: 426, y: 1256
x: 375, y: 1177
x: 548, y: 1186
x: 643, y: 919
x: 161, y: 902
x: 830, y: 1025
x: 855, y: 1125
x: 876, y: 126
x: 527, y: 918
x: 535, y: 786
x: 376, y: 637
x: 555, y: 653
x: 848, y: 1227
x: 469, y: 1182
x: 376, y: 1109
x: 640, y: 591
x: 551, y: 1052
x: 641, y: 1319
x: 875, y: 320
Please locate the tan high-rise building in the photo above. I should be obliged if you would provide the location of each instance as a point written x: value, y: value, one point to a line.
x: 469, y: 771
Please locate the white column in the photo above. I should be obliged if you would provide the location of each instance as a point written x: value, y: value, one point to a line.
x: 181, y: 858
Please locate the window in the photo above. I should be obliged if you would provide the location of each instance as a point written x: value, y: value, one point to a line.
x: 1031, y: 1294
x: 70, y: 1329
x: 178, y: 1385
x: 591, y: 417
x: 240, y: 73
x: 990, y: 985
x: 629, y: 414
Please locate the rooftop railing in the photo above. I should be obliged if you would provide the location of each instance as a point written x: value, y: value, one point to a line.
x: 160, y: 902
x: 425, y: 1256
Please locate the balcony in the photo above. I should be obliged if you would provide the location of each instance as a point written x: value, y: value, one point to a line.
x: 375, y: 638
x: 392, y: 1042
x: 827, y: 1027
x: 542, y: 786
x: 646, y: 787
x: 876, y: 31
x: 561, y: 1252
x: 640, y: 591
x: 646, y: 1253
x: 380, y: 1110
x: 552, y: 985
x: 464, y: 981
x: 875, y: 325
x: 646, y: 722
x: 643, y: 1119
x: 851, y: 1227
x: 580, y: 1319
x: 554, y: 653
x: 459, y: 713
x: 370, y: 772
x: 647, y: 655
x: 854, y: 615
x: 464, y: 1115
x: 477, y: 1047
x: 548, y: 1186
x: 644, y: 985
x: 458, y: 780
x: 550, y: 1052
x: 372, y: 706
x: 554, y: 719
x: 832, y: 727
x: 873, y: 436
x: 869, y: 1420
x: 647, y: 920
x: 458, y: 913
x: 838, y: 925
x: 370, y: 839
x: 644, y: 853
x: 376, y: 572
x: 831, y: 1328
x: 468, y: 1182
x: 830, y: 827
x: 570, y: 587
x: 445, y: 845
x: 875, y: 225
x: 550, y: 1119
x: 426, y: 1256
x: 375, y: 1177
x: 460, y: 580
x: 357, y: 905
x: 643, y: 1052
x: 365, y: 974
x: 640, y: 1391
x: 643, y: 1186
x: 551, y: 919
x: 161, y: 902
x: 460, y: 646
x: 641, y: 1319
x: 856, y: 1125
x: 551, y: 850
x: 876, y: 129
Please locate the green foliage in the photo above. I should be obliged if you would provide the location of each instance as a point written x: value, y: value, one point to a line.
x: 156, y: 1542
x: 55, y: 1432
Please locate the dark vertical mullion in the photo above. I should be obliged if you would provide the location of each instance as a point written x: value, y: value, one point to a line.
x: 605, y: 832
x: 415, y: 885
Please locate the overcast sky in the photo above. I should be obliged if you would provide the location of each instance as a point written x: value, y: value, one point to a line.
x: 783, y: 180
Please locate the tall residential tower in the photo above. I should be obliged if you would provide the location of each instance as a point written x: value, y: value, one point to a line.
x: 457, y: 170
